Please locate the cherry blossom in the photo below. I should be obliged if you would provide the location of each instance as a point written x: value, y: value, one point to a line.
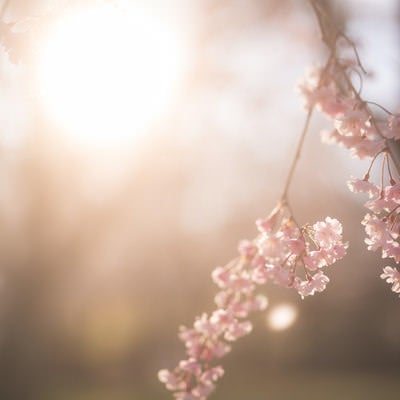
x: 393, y: 130
x: 296, y: 256
x: 330, y: 90
x: 317, y: 283
x: 282, y: 253
x: 392, y: 276
x: 363, y: 186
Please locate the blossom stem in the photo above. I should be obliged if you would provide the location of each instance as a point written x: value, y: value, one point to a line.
x: 3, y: 8
x: 366, y: 176
x: 297, y: 156
x: 392, y: 181
x: 328, y: 31
x: 381, y: 107
x: 383, y: 174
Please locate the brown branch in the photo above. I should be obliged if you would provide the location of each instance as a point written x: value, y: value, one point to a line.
x: 3, y: 8
x: 297, y: 156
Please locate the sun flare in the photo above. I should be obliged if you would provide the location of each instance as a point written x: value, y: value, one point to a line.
x: 106, y: 73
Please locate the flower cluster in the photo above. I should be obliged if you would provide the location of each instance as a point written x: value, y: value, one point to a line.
x: 211, y: 336
x: 392, y: 276
x: 283, y: 253
x: 331, y: 91
x: 294, y: 256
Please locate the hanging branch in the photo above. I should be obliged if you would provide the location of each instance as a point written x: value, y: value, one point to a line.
x: 284, y: 253
x: 358, y: 129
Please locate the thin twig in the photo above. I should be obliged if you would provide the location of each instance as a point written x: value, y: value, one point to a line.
x: 3, y: 8
x: 323, y: 20
x: 330, y: 40
x: 297, y: 155
x: 381, y: 107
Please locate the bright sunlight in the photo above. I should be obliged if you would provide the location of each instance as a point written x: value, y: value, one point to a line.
x: 107, y: 73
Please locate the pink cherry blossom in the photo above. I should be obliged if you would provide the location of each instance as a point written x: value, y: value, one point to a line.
x: 329, y: 102
x: 393, y: 131
x: 185, y: 396
x: 363, y: 186
x: 237, y: 329
x: 212, y: 374
x: 328, y: 232
x: 392, y: 193
x: 378, y: 232
x: 247, y: 249
x: 171, y: 380
x: 316, y: 283
x: 381, y: 204
x: 356, y: 128
x: 392, y: 276
x: 280, y: 254
x: 314, y: 260
x: 352, y: 123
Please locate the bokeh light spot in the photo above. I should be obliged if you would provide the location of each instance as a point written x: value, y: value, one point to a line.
x: 282, y: 316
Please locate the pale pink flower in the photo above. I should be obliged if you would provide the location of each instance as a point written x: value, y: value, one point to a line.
x: 237, y: 329
x: 380, y: 204
x: 317, y: 283
x: 314, y: 260
x: 268, y: 224
x: 171, y: 380
x: 189, y: 336
x: 373, y: 132
x: 221, y: 318
x: 260, y: 275
x: 274, y: 255
x: 221, y: 277
x: 391, y: 250
x: 258, y: 261
x: 363, y: 186
x: 328, y: 232
x: 271, y: 246
x: 309, y: 86
x: 365, y: 136
x: 378, y: 232
x: 352, y: 123
x: 288, y: 231
x: 212, y: 375
x: 360, y: 146
x: 393, y: 131
x: 221, y: 298
x: 204, y: 326
x: 240, y: 308
x: 241, y: 282
x: 367, y: 148
x: 392, y: 193
x: 392, y: 276
x: 296, y: 246
x: 217, y: 349
x: 334, y: 137
x: 329, y: 102
x: 202, y: 391
x: 257, y: 303
x: 185, y: 396
x: 282, y: 276
x: 247, y: 249
x: 335, y: 252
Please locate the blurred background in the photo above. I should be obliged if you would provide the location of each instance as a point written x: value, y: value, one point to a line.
x: 108, y: 240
